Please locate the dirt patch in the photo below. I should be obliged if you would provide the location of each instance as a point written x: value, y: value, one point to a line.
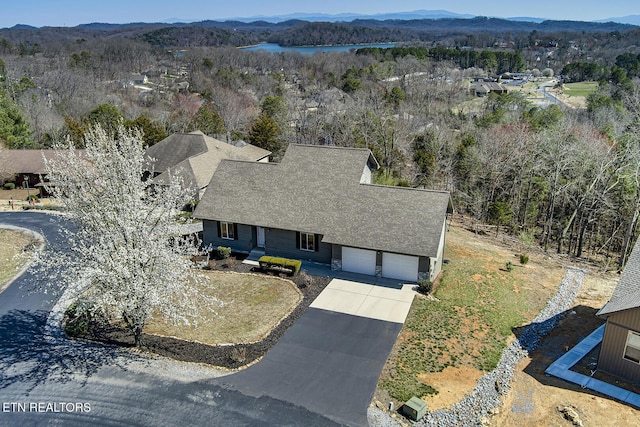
x: 453, y: 383
x: 534, y: 397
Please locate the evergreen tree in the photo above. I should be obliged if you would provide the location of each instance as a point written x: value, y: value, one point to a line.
x: 264, y: 133
x: 208, y: 121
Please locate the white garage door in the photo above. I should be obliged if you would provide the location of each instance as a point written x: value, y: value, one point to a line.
x: 403, y: 267
x: 359, y: 261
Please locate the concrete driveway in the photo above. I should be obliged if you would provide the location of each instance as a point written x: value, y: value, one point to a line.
x: 330, y: 360
x: 366, y: 300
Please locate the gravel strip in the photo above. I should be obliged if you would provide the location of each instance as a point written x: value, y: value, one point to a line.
x: 473, y: 409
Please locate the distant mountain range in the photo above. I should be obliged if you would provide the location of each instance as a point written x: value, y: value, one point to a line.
x: 394, y: 19
x: 629, y: 19
x: 416, y: 14
x: 342, y: 17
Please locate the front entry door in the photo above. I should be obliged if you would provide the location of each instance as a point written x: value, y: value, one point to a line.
x: 260, y: 237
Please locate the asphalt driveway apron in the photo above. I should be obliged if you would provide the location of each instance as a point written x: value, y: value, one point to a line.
x: 330, y: 360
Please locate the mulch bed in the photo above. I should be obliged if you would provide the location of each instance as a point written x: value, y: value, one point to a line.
x: 228, y: 356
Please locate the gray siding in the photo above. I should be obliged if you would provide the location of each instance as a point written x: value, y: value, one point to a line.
x: 424, y: 264
x: 611, y: 358
x: 337, y: 252
x: 244, y: 242
x: 283, y: 243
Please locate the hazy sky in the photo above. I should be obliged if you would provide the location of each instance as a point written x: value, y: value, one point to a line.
x: 74, y: 12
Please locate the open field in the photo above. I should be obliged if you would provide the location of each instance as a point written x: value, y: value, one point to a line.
x: 12, y: 243
x: 579, y: 89
x: 254, y: 305
x: 450, y: 341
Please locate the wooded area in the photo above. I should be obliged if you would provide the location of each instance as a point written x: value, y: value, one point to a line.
x: 562, y: 178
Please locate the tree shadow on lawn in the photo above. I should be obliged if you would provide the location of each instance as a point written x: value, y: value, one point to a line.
x: 31, y: 357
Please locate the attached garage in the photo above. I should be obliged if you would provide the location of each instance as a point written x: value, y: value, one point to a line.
x: 402, y: 267
x: 359, y: 260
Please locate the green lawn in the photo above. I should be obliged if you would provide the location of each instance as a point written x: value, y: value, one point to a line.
x: 478, y: 304
x: 580, y: 89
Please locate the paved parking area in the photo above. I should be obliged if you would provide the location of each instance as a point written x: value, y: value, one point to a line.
x: 330, y: 360
x: 366, y: 300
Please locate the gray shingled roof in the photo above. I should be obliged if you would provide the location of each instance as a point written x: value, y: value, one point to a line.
x: 317, y: 189
x: 626, y: 295
x: 195, y: 156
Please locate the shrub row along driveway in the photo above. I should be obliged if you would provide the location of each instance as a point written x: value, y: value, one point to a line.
x: 323, y: 371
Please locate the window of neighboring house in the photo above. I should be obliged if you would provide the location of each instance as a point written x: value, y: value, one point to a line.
x: 307, y: 242
x: 632, y: 349
x: 226, y: 230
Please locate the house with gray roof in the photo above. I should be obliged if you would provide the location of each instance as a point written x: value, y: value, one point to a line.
x: 319, y: 204
x: 194, y: 157
x: 620, y: 351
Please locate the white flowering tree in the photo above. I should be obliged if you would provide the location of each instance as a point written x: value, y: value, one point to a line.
x: 125, y: 255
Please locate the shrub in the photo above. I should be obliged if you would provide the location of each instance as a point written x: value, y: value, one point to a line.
x: 223, y: 252
x: 77, y: 318
x: 9, y: 186
x: 32, y: 197
x: 238, y: 354
x: 304, y: 279
x: 291, y: 266
x: 524, y: 259
x: 425, y: 286
x: 509, y: 266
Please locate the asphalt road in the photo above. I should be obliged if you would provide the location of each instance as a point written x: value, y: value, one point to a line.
x: 322, y: 372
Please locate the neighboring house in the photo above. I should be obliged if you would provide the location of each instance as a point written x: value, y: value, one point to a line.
x: 485, y: 88
x: 620, y: 351
x: 319, y: 205
x: 138, y: 79
x: 26, y: 167
x: 194, y: 157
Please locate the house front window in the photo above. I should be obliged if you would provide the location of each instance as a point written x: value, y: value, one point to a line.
x: 307, y: 242
x: 632, y: 349
x: 226, y: 230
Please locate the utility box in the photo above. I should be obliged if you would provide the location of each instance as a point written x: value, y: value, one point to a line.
x: 414, y: 408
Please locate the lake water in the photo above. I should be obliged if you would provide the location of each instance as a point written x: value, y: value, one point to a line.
x: 310, y: 50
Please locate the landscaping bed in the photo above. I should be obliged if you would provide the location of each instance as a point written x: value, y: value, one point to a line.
x: 232, y: 356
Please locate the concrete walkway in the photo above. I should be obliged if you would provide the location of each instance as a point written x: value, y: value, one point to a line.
x: 561, y: 368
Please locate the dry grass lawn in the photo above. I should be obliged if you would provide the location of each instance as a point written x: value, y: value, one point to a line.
x: 254, y: 305
x: 448, y: 343
x: 11, y: 243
